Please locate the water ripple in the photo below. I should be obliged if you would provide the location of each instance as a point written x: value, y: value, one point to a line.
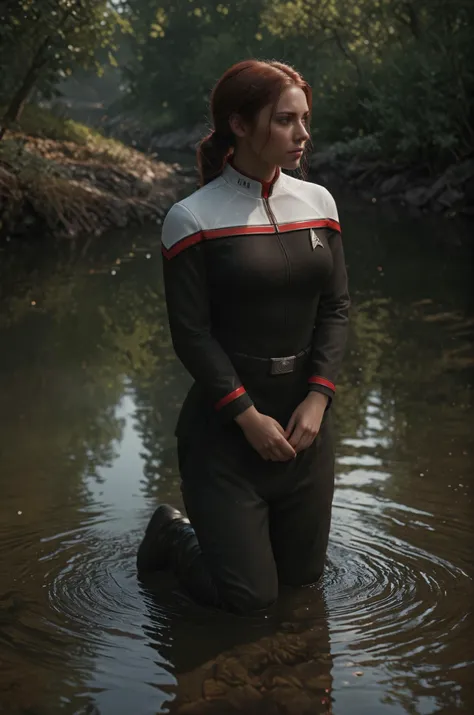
x: 97, y: 590
x: 388, y: 595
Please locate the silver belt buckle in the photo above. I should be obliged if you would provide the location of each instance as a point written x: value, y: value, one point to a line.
x: 283, y: 365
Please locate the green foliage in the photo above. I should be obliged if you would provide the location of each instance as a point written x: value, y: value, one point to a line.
x: 416, y: 98
x: 39, y: 122
x: 44, y: 41
x: 389, y: 76
x: 395, y: 74
x: 181, y: 48
x: 368, y: 146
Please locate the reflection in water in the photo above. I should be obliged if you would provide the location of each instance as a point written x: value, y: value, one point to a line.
x: 272, y: 664
x: 90, y: 394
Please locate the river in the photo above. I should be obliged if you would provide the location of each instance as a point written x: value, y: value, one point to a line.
x: 90, y: 392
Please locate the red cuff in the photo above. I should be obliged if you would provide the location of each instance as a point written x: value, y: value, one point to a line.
x: 316, y: 380
x: 230, y: 398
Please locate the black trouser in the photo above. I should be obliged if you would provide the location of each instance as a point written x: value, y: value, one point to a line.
x: 258, y: 523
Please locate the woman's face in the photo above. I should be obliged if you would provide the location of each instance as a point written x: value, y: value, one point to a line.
x: 281, y: 131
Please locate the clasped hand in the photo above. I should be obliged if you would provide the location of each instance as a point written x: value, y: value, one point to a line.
x: 273, y: 442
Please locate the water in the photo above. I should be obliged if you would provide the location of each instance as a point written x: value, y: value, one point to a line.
x: 90, y: 393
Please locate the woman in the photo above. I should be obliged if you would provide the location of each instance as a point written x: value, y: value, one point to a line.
x: 257, y: 298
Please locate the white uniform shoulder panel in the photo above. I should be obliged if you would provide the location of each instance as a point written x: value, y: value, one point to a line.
x: 178, y: 224
x: 184, y: 217
x: 203, y: 197
x: 197, y: 212
x: 315, y: 195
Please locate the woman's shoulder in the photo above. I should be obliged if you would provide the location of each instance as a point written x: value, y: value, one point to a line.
x: 316, y: 195
x: 185, y: 218
x: 194, y: 204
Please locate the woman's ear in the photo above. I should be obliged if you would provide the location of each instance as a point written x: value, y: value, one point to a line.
x: 237, y: 125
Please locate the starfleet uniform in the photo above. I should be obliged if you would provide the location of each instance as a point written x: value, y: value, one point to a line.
x: 257, y: 298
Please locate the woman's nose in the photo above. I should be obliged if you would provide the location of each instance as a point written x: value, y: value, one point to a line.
x: 301, y: 132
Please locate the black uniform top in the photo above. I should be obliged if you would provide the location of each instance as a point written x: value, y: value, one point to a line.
x: 258, y: 269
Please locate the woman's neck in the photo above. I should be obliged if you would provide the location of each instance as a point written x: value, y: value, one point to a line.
x: 253, y: 167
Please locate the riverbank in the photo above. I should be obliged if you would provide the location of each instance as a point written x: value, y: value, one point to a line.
x: 61, y: 179
x: 78, y: 182
x: 354, y: 166
x: 450, y: 193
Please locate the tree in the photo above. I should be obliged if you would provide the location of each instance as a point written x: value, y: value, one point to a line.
x: 399, y: 72
x: 192, y: 42
x: 44, y: 40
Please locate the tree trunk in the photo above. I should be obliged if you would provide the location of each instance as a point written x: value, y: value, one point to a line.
x: 37, y: 64
x: 20, y: 97
x: 351, y: 56
x: 414, y: 21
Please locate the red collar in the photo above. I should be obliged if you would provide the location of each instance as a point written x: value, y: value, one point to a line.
x: 266, y: 185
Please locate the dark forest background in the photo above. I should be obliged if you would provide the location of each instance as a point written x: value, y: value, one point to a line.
x: 391, y: 78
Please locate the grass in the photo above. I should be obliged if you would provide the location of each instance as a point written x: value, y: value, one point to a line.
x: 38, y: 122
x: 72, y: 179
x: 83, y: 143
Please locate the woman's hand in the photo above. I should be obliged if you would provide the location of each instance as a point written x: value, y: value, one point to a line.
x: 265, y: 435
x: 305, y: 422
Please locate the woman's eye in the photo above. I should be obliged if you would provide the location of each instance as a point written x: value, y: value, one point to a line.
x: 287, y: 120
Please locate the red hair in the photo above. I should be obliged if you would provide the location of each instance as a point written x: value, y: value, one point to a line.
x: 244, y: 89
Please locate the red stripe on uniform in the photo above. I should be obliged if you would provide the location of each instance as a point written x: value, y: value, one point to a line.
x: 246, y: 231
x: 237, y: 231
x: 322, y: 381
x: 313, y: 223
x: 182, y: 244
x: 229, y: 398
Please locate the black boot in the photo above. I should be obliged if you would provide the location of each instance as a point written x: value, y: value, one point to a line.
x: 153, y: 552
x: 170, y: 542
x: 187, y: 563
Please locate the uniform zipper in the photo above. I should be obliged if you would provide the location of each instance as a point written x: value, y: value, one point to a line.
x: 270, y: 214
x: 272, y: 218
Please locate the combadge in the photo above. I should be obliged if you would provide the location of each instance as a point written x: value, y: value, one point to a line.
x: 315, y: 240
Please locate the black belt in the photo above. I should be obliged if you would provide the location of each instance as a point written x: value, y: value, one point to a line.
x: 272, y: 365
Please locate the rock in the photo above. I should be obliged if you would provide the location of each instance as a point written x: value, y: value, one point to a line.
x: 231, y: 671
x: 279, y: 676
x: 469, y: 191
x: 319, y: 682
x: 180, y: 140
x: 392, y: 185
x: 417, y: 196
x: 244, y: 698
x: 198, y: 707
x: 450, y: 197
x: 212, y: 689
x: 437, y: 187
x: 460, y: 173
x: 295, y: 702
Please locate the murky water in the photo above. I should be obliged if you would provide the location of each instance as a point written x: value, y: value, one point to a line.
x: 90, y: 391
